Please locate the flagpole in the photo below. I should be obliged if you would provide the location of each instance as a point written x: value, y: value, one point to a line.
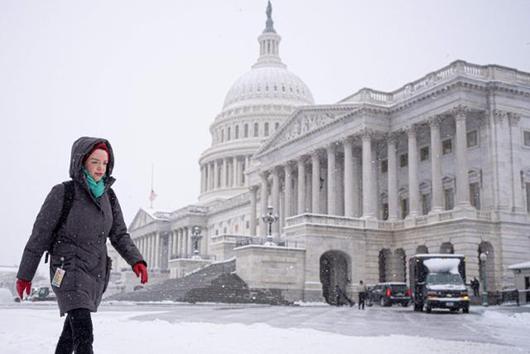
x: 152, y: 184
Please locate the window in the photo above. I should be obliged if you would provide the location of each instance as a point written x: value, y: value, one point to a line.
x: 424, y: 153
x: 384, y: 166
x: 404, y: 208
x: 222, y: 135
x: 474, y: 194
x: 385, y: 211
x: 245, y: 131
x: 276, y: 126
x: 224, y: 230
x: 403, y: 160
x: 472, y: 138
x: 256, y: 129
x: 228, y: 134
x: 447, y: 146
x: 237, y: 132
x: 266, y: 129
x: 449, y: 199
x: 247, y: 224
x: 527, y: 197
x: 425, y: 203
x: 527, y: 138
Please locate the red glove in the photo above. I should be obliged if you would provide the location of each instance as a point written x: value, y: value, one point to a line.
x: 141, y: 271
x: 21, y: 286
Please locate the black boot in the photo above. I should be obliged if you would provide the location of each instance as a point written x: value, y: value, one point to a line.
x: 82, y: 331
x: 65, y: 345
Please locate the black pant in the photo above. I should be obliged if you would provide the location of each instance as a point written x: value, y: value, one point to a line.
x: 361, y: 300
x: 77, y: 336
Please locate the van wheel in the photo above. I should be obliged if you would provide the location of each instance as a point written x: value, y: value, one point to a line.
x: 465, y: 310
x: 428, y: 309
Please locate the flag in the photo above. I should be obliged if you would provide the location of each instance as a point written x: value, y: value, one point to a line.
x: 152, y: 195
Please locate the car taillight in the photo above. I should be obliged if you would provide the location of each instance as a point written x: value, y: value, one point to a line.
x: 408, y: 293
x: 388, y: 292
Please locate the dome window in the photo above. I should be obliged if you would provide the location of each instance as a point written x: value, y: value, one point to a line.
x: 276, y: 126
x: 245, y: 131
x: 267, y: 88
x: 283, y: 88
x: 237, y: 132
x: 266, y: 129
x: 256, y: 130
x: 275, y: 88
x: 228, y: 134
x: 222, y: 135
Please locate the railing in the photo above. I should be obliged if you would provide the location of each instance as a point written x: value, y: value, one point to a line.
x: 342, y: 221
x: 455, y: 69
x: 263, y: 240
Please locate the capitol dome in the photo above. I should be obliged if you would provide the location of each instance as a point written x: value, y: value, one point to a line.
x: 268, y: 82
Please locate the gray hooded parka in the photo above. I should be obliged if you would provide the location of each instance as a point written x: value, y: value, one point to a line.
x: 80, y: 243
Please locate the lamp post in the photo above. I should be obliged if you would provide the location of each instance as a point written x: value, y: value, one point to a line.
x: 195, y: 237
x: 483, y: 258
x: 269, y: 219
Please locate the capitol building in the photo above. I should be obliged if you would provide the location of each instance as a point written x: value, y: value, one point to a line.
x: 355, y: 188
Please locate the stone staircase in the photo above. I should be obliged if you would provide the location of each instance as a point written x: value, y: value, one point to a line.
x: 214, y: 283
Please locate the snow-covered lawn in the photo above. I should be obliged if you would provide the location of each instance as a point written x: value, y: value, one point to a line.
x: 29, y: 329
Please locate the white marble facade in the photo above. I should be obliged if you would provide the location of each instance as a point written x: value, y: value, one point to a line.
x: 439, y: 165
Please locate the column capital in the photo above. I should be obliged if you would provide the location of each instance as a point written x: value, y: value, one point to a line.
x: 514, y: 119
x: 460, y: 111
x: 435, y: 121
x: 367, y: 134
x: 331, y: 146
x: 392, y: 138
x: 288, y: 165
x: 315, y: 153
x: 499, y: 115
x: 347, y: 140
x: 411, y: 130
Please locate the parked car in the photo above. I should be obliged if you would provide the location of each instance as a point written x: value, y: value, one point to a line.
x: 43, y: 293
x: 387, y: 294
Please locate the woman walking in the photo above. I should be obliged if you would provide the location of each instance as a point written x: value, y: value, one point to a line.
x: 73, y: 225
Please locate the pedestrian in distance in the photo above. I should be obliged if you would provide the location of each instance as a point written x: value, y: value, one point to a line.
x: 475, y: 285
x: 363, y: 291
x: 339, y: 294
x: 73, y: 226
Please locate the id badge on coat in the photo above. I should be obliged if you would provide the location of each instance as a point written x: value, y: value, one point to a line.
x: 58, y: 277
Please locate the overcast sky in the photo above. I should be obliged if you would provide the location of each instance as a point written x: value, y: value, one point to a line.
x: 152, y: 75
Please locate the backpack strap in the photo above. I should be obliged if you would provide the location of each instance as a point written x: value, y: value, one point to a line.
x: 68, y: 200
x: 112, y: 199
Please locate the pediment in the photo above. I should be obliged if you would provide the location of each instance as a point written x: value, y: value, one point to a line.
x: 303, y: 122
x: 141, y: 218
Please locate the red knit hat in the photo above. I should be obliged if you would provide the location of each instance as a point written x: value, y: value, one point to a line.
x: 101, y: 146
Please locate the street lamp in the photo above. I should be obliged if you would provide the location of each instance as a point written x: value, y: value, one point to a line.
x: 195, y: 237
x: 269, y: 219
x: 483, y: 258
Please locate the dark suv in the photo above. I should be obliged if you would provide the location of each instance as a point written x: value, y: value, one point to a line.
x: 387, y: 294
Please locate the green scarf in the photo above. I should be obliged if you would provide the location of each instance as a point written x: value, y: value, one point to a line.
x: 97, y: 188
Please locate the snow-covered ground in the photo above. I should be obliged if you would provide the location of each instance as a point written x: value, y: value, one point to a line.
x: 216, y: 328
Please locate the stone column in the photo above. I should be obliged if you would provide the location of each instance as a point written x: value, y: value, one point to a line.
x: 462, y: 179
x: 157, y: 250
x: 368, y: 198
x: 288, y: 192
x: 211, y: 178
x: 348, y: 178
x: 224, y: 170
x: 253, y: 212
x: 169, y: 244
x: 247, y: 166
x: 182, y: 243
x: 276, y: 199
x: 436, y: 165
x: 414, y: 189
x: 188, y: 240
x: 264, y: 204
x: 234, y: 172
x: 357, y: 175
x: 315, y: 188
x: 215, y: 175
x: 515, y: 148
x: 301, y: 185
x: 392, y: 178
x: 332, y: 181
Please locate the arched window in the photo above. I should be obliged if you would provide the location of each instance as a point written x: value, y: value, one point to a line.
x: 266, y: 129
x: 245, y: 131
x: 237, y: 132
x: 256, y: 130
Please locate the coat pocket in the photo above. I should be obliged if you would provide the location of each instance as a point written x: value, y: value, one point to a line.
x: 67, y: 263
x: 107, y: 273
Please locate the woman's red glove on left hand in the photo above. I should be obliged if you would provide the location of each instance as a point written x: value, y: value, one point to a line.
x: 141, y: 271
x: 23, y: 285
